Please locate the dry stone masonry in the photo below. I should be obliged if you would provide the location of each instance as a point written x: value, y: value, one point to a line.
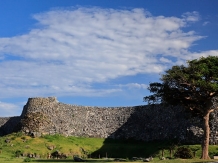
x: 9, y: 125
x: 48, y: 116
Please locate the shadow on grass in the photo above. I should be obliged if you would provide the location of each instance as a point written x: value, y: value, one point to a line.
x: 123, y: 144
x: 102, y: 160
x: 160, y: 132
x: 131, y: 148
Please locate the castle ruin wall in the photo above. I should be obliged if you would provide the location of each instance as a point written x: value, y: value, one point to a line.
x: 48, y: 116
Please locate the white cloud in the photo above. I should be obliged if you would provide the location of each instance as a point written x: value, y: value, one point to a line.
x: 70, y: 50
x: 8, y: 109
x: 165, y: 60
x: 195, y: 55
x: 134, y: 86
x: 191, y: 16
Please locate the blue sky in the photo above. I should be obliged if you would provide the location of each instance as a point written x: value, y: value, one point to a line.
x: 99, y: 52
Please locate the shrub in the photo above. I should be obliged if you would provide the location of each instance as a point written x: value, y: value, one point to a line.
x: 18, y: 153
x: 183, y: 152
x: 27, y: 159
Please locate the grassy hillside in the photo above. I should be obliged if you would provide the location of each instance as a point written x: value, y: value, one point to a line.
x: 48, y: 144
x: 16, y: 144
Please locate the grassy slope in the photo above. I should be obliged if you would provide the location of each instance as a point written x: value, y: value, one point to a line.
x: 68, y: 145
x: 94, y: 147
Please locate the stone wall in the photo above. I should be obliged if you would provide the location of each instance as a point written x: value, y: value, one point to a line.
x: 48, y: 116
x: 9, y: 125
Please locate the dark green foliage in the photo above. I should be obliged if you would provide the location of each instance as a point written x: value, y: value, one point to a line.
x: 184, y: 153
x: 27, y: 160
x: 18, y: 153
x: 194, y: 86
x: 194, y: 149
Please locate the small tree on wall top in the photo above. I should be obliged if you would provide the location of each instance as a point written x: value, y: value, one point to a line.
x: 194, y: 86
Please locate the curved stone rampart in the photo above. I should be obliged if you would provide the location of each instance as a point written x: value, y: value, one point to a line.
x: 48, y: 116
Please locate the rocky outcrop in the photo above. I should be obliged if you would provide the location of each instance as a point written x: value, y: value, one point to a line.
x: 48, y: 116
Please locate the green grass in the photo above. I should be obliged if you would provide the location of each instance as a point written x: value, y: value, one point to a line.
x: 88, y: 147
x: 43, y: 145
x: 21, y: 160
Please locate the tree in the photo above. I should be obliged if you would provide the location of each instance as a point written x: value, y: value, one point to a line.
x: 195, y: 87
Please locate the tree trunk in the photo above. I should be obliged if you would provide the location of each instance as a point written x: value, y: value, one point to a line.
x: 206, y: 136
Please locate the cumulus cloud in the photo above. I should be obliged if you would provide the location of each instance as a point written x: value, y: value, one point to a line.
x: 70, y: 50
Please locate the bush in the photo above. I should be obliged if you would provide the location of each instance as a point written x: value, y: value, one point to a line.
x: 18, y: 153
x: 27, y: 160
x: 183, y: 152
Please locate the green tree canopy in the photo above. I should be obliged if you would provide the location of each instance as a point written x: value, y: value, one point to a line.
x: 194, y: 87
